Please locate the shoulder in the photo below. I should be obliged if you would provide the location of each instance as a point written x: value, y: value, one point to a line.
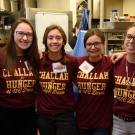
x: 70, y: 57
x: 77, y: 59
x: 106, y: 59
x: 122, y: 61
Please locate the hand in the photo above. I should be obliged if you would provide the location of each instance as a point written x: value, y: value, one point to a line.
x: 117, y: 56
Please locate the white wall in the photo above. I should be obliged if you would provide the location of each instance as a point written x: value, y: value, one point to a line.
x: 54, y: 4
x: 108, y: 6
x: 124, y: 6
x: 59, y: 5
x: 113, y: 4
x: 129, y: 7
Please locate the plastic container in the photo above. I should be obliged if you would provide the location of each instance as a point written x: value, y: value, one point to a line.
x: 132, y: 18
x: 126, y: 16
x: 114, y: 16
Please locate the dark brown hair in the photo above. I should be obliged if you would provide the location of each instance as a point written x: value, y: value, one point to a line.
x: 92, y: 32
x: 31, y: 54
x: 50, y: 28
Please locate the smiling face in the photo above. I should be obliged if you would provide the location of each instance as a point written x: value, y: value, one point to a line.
x: 129, y: 42
x: 23, y: 37
x: 54, y: 41
x: 94, y: 47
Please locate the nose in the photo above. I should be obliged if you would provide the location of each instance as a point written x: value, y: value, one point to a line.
x: 25, y: 37
x: 132, y: 39
x: 92, y: 46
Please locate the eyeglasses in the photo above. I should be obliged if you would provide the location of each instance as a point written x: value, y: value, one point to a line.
x: 129, y: 37
x: 95, y: 44
x: 56, y: 37
x: 21, y: 34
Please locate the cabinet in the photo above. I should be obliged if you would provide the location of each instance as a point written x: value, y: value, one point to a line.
x: 6, y: 21
x: 113, y: 40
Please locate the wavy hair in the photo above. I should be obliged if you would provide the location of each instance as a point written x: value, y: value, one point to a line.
x: 31, y: 54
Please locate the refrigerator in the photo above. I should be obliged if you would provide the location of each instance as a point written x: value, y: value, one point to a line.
x: 41, y: 18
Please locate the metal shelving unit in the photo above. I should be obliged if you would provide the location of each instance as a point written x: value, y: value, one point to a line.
x: 113, y: 40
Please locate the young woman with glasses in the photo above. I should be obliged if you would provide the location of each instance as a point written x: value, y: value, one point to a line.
x: 95, y: 82
x: 19, y: 63
x: 124, y: 105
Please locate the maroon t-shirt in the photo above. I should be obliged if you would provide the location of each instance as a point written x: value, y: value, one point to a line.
x: 16, y: 91
x: 94, y: 108
x: 125, y: 93
x: 56, y: 79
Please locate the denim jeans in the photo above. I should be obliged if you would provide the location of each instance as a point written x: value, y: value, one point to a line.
x: 121, y: 127
x: 62, y: 124
x: 95, y: 131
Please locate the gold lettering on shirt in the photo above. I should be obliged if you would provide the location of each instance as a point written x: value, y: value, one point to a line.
x: 50, y: 84
x: 19, y: 83
x: 54, y: 76
x: 20, y: 86
x: 18, y: 72
x: 102, y: 75
x: 125, y: 95
x: 53, y: 88
x: 91, y: 86
x: 122, y: 80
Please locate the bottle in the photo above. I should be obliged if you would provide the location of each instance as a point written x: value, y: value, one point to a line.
x: 114, y: 16
x: 126, y: 18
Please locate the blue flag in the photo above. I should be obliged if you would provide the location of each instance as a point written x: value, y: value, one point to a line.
x: 79, y: 49
x: 85, y: 20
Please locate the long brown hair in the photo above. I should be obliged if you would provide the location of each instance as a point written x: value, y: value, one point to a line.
x: 31, y: 54
x: 52, y: 27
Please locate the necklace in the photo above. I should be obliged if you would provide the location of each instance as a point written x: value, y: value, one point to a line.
x: 129, y: 79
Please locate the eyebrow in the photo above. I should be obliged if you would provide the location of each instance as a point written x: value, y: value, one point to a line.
x: 131, y: 34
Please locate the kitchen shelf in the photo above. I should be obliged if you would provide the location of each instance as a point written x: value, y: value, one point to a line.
x: 113, y: 40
